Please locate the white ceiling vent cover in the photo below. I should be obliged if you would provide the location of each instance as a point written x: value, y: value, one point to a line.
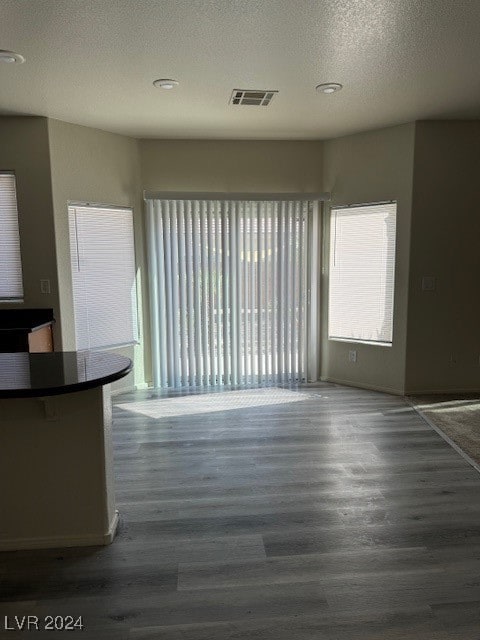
x: 255, y: 97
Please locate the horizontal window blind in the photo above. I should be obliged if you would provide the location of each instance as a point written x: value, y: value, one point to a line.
x: 11, y: 285
x: 362, y: 270
x: 103, y: 276
x: 15, y: 370
x: 227, y: 290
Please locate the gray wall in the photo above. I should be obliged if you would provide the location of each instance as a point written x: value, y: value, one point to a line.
x: 443, y: 349
x: 371, y: 167
x: 24, y: 149
x: 231, y: 165
x: 98, y: 167
x: 430, y: 168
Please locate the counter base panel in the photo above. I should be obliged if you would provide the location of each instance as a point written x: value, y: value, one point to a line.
x: 56, y: 471
x: 93, y: 540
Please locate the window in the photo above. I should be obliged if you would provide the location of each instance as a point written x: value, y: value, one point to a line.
x: 228, y: 291
x: 103, y: 276
x: 11, y: 286
x: 362, y: 268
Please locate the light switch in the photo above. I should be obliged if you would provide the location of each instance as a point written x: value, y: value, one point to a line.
x: 428, y: 283
x: 45, y: 286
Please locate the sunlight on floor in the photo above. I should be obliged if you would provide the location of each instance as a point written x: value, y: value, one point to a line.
x: 211, y: 402
x: 441, y: 406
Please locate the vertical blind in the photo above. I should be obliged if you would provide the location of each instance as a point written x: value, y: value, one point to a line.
x: 103, y: 276
x: 11, y: 286
x: 362, y: 270
x: 227, y: 290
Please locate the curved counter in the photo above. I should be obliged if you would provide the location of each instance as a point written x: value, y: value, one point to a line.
x: 56, y: 463
x: 30, y: 375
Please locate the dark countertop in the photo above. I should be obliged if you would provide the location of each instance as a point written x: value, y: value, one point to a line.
x: 29, y: 375
x: 25, y: 319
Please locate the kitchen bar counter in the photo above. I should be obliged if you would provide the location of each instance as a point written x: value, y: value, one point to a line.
x: 56, y: 466
x: 27, y: 375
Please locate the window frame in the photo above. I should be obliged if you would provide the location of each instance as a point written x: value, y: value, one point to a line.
x: 329, y: 217
x: 20, y: 299
x: 71, y: 205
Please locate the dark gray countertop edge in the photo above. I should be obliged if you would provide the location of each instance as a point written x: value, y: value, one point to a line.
x: 30, y: 328
x: 69, y: 388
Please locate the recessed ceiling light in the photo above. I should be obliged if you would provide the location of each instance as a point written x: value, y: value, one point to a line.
x: 10, y: 57
x: 329, y: 87
x: 165, y: 83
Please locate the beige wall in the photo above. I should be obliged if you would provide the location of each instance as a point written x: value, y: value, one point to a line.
x: 24, y: 150
x: 231, y: 165
x: 98, y: 167
x: 443, y: 325
x: 371, y: 167
x: 430, y: 168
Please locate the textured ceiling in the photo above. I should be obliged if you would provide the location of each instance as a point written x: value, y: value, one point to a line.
x: 92, y: 62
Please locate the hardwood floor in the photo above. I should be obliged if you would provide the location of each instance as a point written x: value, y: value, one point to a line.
x: 317, y: 513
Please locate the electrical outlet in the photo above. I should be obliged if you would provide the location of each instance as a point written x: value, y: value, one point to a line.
x: 45, y: 286
x: 429, y: 283
x: 453, y: 358
x: 352, y: 356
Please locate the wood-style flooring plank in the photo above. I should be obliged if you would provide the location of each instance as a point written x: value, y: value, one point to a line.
x: 293, y: 513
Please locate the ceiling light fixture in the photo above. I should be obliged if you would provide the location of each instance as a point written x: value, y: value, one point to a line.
x: 165, y: 83
x: 10, y: 57
x: 329, y: 87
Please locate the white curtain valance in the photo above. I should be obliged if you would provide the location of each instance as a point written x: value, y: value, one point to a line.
x: 223, y: 196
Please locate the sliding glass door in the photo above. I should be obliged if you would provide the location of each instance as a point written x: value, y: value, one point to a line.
x: 228, y: 290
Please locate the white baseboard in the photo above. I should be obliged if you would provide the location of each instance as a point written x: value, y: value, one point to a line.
x: 53, y: 542
x: 136, y: 387
x: 434, y: 392
x: 361, y: 385
x: 112, y: 529
x: 118, y: 392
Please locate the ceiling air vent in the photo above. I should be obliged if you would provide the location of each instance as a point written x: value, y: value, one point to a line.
x: 254, y: 97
